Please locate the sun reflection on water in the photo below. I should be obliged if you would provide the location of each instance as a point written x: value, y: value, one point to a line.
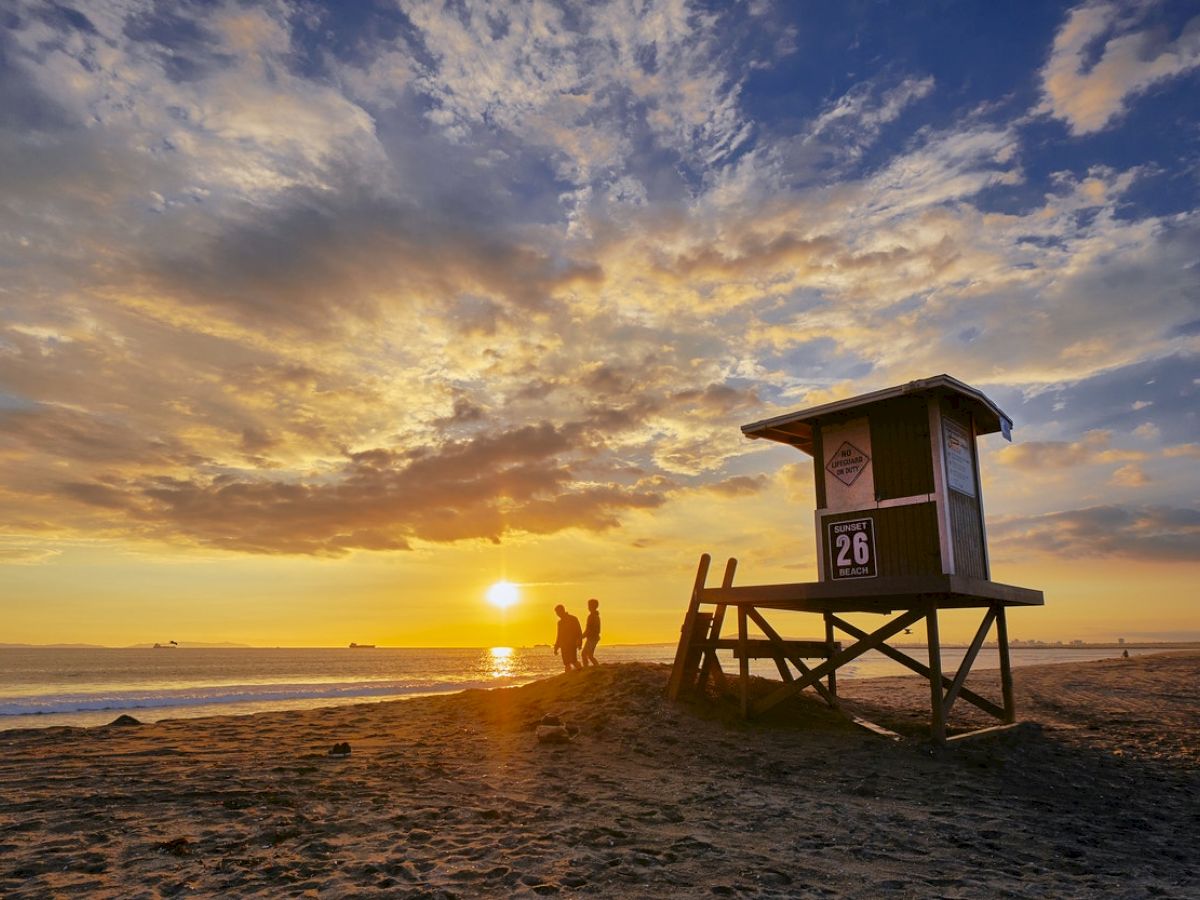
x: 502, y: 662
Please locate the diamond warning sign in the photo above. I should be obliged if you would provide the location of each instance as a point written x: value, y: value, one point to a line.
x: 847, y: 463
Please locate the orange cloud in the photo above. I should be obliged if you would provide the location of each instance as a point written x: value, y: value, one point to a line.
x: 1093, y: 447
x: 1089, y: 94
x: 1143, y: 532
x: 1129, y: 476
x: 482, y: 487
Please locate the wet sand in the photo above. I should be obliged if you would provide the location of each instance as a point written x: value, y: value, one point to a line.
x: 453, y: 796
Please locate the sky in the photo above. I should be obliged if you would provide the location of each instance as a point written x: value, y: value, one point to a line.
x: 318, y: 319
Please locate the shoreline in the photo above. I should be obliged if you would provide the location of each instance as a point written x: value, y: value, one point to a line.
x: 452, y: 796
x: 238, y: 691
x: 1038, y: 645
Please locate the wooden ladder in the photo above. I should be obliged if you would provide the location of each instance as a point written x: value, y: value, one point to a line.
x: 696, y: 655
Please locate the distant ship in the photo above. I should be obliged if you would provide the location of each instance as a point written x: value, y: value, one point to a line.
x: 171, y: 645
x: 354, y: 646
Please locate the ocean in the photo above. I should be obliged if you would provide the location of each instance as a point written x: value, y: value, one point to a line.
x: 42, y: 687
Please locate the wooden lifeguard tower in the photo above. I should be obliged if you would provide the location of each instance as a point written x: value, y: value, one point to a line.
x: 900, y: 533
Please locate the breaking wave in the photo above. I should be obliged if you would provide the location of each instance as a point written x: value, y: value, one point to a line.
x: 222, y: 695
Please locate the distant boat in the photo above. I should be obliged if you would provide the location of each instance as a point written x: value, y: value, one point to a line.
x: 171, y: 645
x: 354, y: 646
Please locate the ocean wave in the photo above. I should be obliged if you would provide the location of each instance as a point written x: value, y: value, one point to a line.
x: 51, y: 704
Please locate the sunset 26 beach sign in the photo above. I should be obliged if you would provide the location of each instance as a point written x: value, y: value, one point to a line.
x: 852, y: 549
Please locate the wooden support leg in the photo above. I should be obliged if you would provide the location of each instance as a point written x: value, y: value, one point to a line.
x: 968, y: 660
x: 691, y: 665
x: 744, y: 662
x: 937, y: 725
x: 711, y: 665
x: 831, y: 679
x: 680, y: 676
x: 1006, y: 682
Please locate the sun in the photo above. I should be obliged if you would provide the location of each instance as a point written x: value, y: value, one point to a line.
x: 502, y: 594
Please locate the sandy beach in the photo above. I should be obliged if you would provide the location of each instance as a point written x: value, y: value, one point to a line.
x: 1099, y: 795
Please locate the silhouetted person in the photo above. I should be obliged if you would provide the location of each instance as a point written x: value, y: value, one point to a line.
x: 591, y: 634
x: 1124, y: 654
x: 569, y: 640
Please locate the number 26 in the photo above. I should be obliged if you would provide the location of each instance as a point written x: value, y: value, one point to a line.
x: 859, y: 548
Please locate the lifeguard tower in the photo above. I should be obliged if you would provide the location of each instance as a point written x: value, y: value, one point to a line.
x: 900, y: 533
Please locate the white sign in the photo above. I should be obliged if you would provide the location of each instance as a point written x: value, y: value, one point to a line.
x: 960, y: 469
x: 847, y: 466
x: 847, y: 463
x: 852, y: 549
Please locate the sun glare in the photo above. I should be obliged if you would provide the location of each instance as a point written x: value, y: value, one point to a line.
x: 501, y: 659
x: 502, y: 594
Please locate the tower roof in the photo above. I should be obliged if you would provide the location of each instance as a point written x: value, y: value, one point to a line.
x: 796, y: 428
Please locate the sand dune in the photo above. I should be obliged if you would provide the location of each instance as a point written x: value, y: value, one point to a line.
x: 453, y: 796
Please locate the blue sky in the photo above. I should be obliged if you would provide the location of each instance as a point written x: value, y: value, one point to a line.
x: 347, y: 282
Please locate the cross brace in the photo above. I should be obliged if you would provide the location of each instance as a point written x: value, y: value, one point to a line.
x: 923, y: 670
x: 696, y: 658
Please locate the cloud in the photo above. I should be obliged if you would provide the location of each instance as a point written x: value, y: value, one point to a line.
x: 561, y: 78
x: 1161, y: 533
x: 214, y: 85
x: 13, y: 554
x: 1104, y: 399
x: 483, y: 487
x: 1101, y: 59
x: 1093, y: 447
x: 77, y: 435
x: 854, y: 121
x: 1148, y: 431
x: 316, y: 262
x: 283, y: 284
x: 740, y: 485
x: 1129, y: 476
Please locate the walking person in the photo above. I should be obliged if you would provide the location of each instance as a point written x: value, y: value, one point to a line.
x: 591, y: 633
x: 569, y: 640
